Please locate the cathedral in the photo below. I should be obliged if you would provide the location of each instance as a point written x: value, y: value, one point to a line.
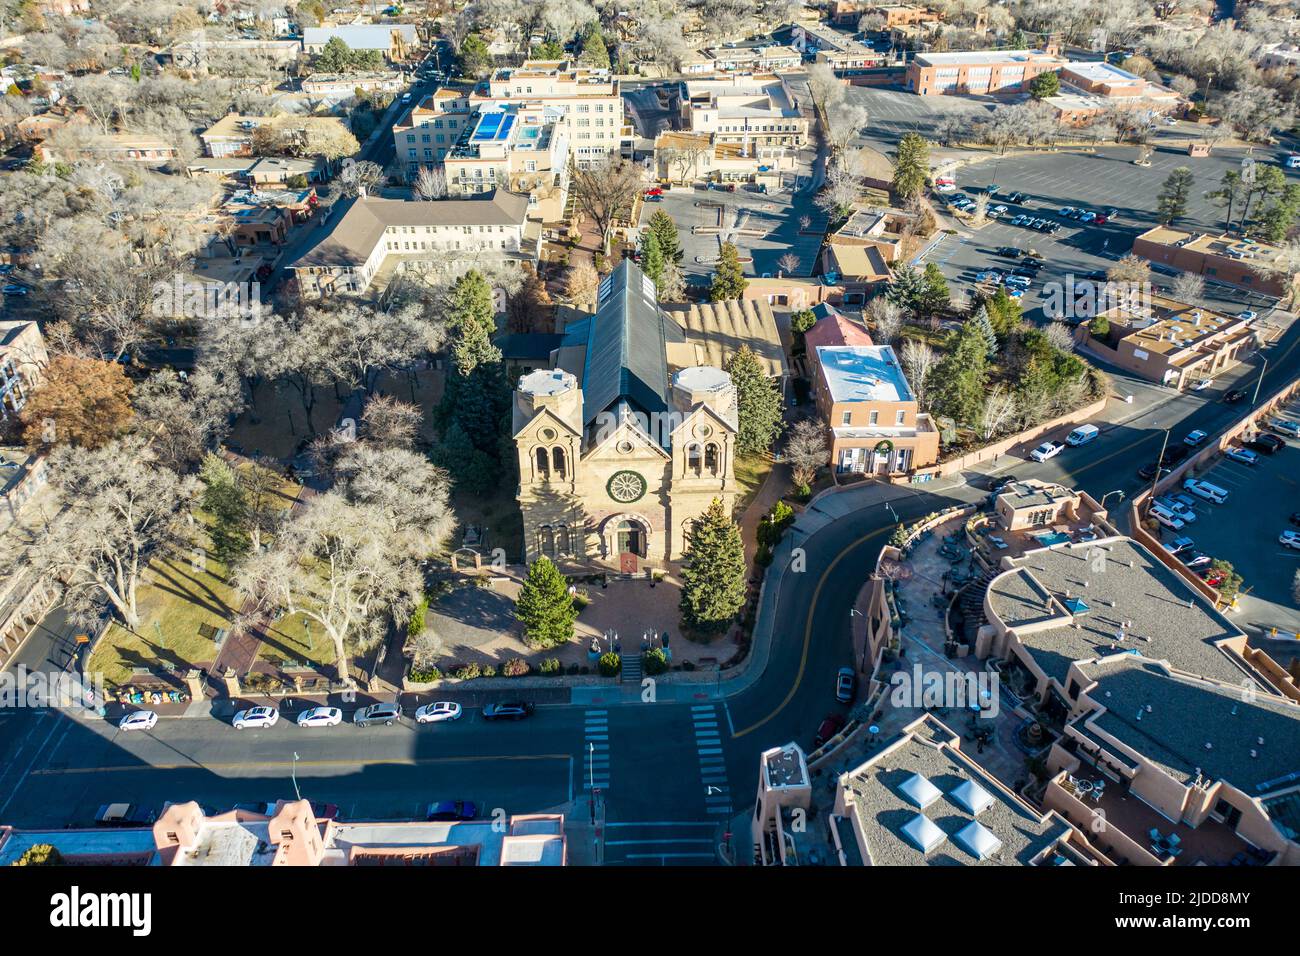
x: 625, y: 440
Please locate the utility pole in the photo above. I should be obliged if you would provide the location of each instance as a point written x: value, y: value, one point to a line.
x: 1160, y: 463
x: 293, y: 769
x: 1258, y: 382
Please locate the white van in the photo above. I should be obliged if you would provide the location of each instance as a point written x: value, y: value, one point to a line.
x: 1082, y: 435
x: 1166, y: 517
x: 1203, y: 489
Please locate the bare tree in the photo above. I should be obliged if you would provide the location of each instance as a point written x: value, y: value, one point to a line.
x: 886, y: 319
x: 788, y: 263
x: 998, y: 408
x: 184, y: 417
x: 605, y: 192
x: 120, y: 509
x: 1188, y: 287
x: 357, y: 179
x: 806, y: 450
x: 1059, y: 336
x: 430, y: 183
x: 843, y: 124
x: 824, y: 86
x: 980, y: 213
x: 581, y: 283
x: 1131, y: 269
x: 389, y: 422
x: 918, y: 361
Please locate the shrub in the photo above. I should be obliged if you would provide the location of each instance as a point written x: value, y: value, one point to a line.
x: 654, y: 661
x: 468, y: 671
x: 550, y: 666
x: 415, y: 626
x: 610, y: 664
x: 763, y: 557
x: 515, y: 667
x: 581, y: 598
x: 40, y: 854
x: 423, y: 675
x: 489, y: 670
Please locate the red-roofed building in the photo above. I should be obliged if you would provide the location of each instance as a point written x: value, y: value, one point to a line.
x: 834, y: 328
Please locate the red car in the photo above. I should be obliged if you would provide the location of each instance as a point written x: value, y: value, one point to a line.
x: 1100, y: 220
x: 654, y: 191
x: 828, y: 729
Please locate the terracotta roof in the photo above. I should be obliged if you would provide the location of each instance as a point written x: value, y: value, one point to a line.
x: 835, y: 329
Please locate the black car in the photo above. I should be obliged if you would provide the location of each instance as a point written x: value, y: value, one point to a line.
x: 1174, y: 455
x: 998, y: 485
x: 507, y: 710
x: 1148, y: 472
x: 1015, y: 197
x: 1010, y: 252
x: 1268, y: 444
x: 1236, y: 395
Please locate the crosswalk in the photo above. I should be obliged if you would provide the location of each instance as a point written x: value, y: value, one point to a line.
x: 595, y: 750
x: 713, y: 765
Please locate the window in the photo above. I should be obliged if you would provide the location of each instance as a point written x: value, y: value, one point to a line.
x: 543, y: 469
x: 900, y: 417
x: 693, y: 460
x: 846, y: 418
x: 711, y: 458
x: 875, y: 417
x: 557, y: 458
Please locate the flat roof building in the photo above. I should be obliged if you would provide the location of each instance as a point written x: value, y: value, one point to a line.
x: 1245, y: 263
x: 978, y: 71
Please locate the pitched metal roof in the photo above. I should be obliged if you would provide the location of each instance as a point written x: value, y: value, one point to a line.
x: 626, y: 343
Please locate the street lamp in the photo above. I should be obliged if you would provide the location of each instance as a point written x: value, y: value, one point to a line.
x: 1117, y: 491
x: 893, y: 512
x: 1258, y: 382
x: 293, y: 770
x: 1160, y: 461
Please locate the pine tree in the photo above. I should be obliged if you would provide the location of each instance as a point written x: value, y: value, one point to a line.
x: 1004, y: 312
x: 956, y: 384
x: 1045, y: 85
x: 934, y: 295
x: 224, y: 500
x: 665, y: 230
x: 912, y: 168
x: 544, y: 606
x: 907, y: 288
x: 729, y: 281
x: 1171, y: 203
x: 758, y: 403
x: 713, y: 571
x: 981, y: 321
x: 652, y: 258
x: 594, y: 52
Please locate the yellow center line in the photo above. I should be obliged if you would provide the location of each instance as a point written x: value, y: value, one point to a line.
x: 807, y: 634
x: 279, y: 764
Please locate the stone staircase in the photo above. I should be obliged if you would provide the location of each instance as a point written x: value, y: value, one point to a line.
x: 631, y: 670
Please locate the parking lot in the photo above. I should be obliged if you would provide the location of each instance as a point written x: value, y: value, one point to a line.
x: 763, y: 227
x: 1098, y: 181
x: 894, y: 112
x: 1245, y: 529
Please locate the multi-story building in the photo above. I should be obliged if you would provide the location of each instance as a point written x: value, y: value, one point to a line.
x: 745, y: 109
x: 524, y: 151
x: 431, y: 129
x: 630, y: 434
x: 289, y: 834
x: 919, y: 800
x: 22, y: 357
x: 863, y: 397
x: 346, y: 84
x: 979, y: 71
x: 1175, y: 344
x: 264, y: 217
x: 756, y: 57
x: 1245, y: 263
x: 685, y: 157
x: 587, y: 102
x: 113, y: 148
x: 1279, y: 56
x: 375, y: 238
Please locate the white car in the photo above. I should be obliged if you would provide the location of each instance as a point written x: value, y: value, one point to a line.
x: 1177, y: 508
x: 139, y: 720
x: 256, y: 717
x: 1048, y: 449
x: 1202, y: 385
x: 1247, y: 316
x: 1286, y: 426
x: 1203, y: 489
x: 945, y: 187
x: 1195, y: 438
x: 1166, y: 517
x: 437, y: 712
x: 1290, y: 539
x: 1243, y: 455
x: 320, y: 717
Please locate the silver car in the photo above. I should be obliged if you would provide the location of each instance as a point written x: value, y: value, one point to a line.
x: 387, y: 714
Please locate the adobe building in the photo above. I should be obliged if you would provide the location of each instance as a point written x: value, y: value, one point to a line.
x: 979, y: 71
x: 1244, y: 263
x: 630, y: 434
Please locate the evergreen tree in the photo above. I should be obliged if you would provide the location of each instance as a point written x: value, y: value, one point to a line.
x: 907, y: 288
x: 713, y: 571
x: 758, y: 403
x: 665, y: 230
x: 224, y: 500
x: 652, y: 258
x: 729, y: 281
x: 1017, y: 40
x: 1004, y: 312
x: 1171, y: 203
x: 934, y: 295
x: 476, y: 395
x: 912, y: 168
x: 985, y: 326
x: 956, y: 384
x: 1044, y: 85
x: 544, y: 606
x: 474, y: 471
x: 474, y: 56
x: 595, y: 54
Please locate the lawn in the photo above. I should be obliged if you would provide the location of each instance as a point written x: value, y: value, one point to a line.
x: 179, y: 592
x: 751, y: 472
x: 292, y: 640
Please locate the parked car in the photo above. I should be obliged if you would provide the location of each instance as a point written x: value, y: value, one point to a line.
x: 1065, y: 210
x: 1206, y: 490
x: 1286, y: 426
x: 1196, y: 559
x: 1166, y: 517
x: 452, y: 810
x: 1048, y: 449
x: 324, y: 811
x: 256, y: 717
x: 1011, y: 252
x: 1266, y: 443
x: 13, y: 289
x: 124, y: 815
x: 1148, y: 472
x: 437, y: 712
x: 1248, y: 315
x: 845, y: 684
x: 1087, y: 216
x: 1195, y: 438
x: 1243, y: 455
x: 1017, y: 281
x: 828, y: 729
x: 1202, y: 385
x: 1290, y: 539
x: 1178, y: 545
x: 320, y: 717
x: 386, y: 713
x: 1015, y: 197
x: 1174, y: 455
x: 507, y: 710
x: 988, y: 275
x: 139, y: 720
x: 1177, y: 508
